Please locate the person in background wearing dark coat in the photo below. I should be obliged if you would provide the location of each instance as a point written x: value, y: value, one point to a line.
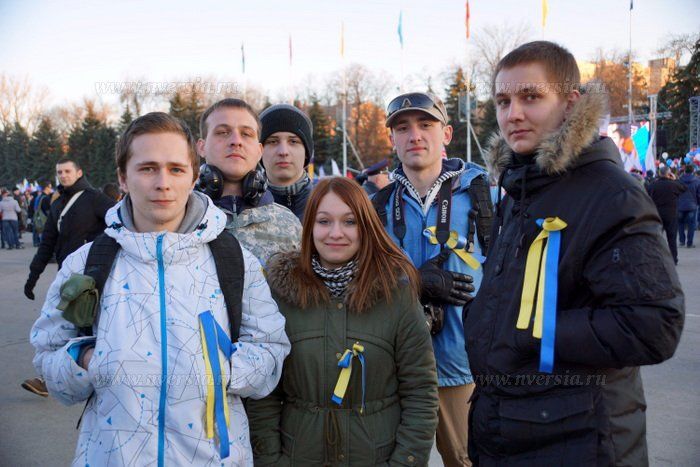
x: 112, y: 190
x: 688, y: 206
x: 360, y: 384
x: 375, y: 177
x: 75, y: 218
x: 288, y: 145
x: 665, y: 191
x: 579, y: 288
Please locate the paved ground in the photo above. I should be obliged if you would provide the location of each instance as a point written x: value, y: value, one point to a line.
x: 40, y: 432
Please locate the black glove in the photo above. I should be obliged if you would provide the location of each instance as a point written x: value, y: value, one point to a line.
x: 440, y: 286
x: 29, y: 286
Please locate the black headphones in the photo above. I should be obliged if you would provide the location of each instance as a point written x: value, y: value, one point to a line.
x: 211, y: 183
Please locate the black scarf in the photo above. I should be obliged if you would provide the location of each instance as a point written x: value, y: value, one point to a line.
x: 336, y: 280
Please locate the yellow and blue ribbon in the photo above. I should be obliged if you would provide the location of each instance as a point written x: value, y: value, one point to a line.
x: 458, y: 244
x: 345, y: 363
x: 541, y: 279
x: 215, y: 339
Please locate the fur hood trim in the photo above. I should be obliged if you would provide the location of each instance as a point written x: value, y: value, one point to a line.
x: 284, y: 277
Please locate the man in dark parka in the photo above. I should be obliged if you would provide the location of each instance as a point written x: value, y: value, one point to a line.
x: 619, y: 303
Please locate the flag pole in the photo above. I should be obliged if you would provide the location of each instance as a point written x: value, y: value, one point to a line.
x: 469, y: 113
x: 629, y: 72
x: 289, y: 84
x: 399, y: 31
x: 245, y: 82
x: 345, y: 101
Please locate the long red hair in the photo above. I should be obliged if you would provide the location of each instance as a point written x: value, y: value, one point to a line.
x: 379, y: 261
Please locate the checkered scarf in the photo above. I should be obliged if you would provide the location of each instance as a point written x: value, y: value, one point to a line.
x: 336, y: 280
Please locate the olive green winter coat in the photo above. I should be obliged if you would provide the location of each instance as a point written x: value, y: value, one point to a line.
x: 298, y: 424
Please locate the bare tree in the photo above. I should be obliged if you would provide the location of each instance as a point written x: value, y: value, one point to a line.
x: 21, y: 102
x: 492, y: 42
x: 678, y: 45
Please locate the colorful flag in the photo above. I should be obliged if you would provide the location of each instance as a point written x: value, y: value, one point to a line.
x: 290, y: 50
x: 466, y: 19
x: 545, y: 10
x: 342, y: 40
x: 399, y: 30
x: 242, y: 58
x: 650, y: 159
x: 641, y: 143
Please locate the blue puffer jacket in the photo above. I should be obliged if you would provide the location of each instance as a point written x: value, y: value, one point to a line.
x: 690, y: 198
x: 450, y: 353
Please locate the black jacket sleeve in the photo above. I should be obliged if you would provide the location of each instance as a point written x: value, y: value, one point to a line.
x: 47, y: 247
x: 637, y: 313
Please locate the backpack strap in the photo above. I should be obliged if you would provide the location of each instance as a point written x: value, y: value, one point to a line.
x: 98, y: 265
x: 480, y: 195
x: 380, y: 199
x: 230, y: 269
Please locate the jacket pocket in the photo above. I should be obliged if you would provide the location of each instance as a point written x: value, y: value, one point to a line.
x: 287, y: 444
x: 383, y: 451
x: 537, y: 421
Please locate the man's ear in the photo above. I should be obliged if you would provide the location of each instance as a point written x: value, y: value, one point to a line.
x: 200, y: 148
x: 446, y: 134
x: 122, y: 181
x: 571, y: 99
x: 80, y: 173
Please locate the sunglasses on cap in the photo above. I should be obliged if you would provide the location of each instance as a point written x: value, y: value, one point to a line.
x: 416, y: 101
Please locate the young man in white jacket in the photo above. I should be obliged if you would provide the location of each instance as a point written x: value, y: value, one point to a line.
x: 157, y: 392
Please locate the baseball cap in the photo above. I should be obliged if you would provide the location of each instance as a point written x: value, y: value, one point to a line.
x: 425, y: 102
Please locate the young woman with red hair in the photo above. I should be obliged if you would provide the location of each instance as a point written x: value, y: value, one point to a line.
x: 360, y: 385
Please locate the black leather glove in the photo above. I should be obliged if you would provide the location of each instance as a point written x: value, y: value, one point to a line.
x: 29, y: 286
x: 440, y: 286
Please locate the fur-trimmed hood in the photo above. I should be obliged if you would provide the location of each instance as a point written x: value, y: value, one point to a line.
x: 561, y: 150
x: 284, y: 277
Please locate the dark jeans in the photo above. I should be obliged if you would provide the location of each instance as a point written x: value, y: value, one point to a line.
x: 671, y: 227
x: 687, y: 222
x: 2, y: 235
x: 10, y: 229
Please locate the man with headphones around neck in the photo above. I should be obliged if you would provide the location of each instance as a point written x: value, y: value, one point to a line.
x: 233, y: 178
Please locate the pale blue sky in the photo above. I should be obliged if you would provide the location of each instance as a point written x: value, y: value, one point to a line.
x: 68, y: 46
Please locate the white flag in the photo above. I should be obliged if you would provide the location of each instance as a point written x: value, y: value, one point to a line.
x: 335, y: 168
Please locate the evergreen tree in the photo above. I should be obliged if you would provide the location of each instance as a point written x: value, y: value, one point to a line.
x: 487, y: 122
x: 45, y: 148
x: 124, y: 120
x: 458, y: 146
x: 323, y: 136
x: 674, y: 97
x: 92, y: 143
x: 16, y: 162
x: 189, y: 107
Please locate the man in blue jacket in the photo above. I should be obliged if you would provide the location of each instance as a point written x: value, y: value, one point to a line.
x: 688, y: 207
x: 426, y: 212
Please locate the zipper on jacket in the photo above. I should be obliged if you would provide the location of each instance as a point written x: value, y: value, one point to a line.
x: 164, y: 353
